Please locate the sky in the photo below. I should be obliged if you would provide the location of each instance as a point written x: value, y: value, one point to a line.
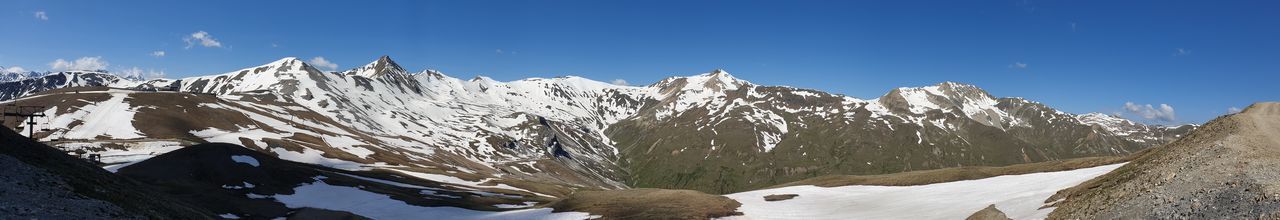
x: 1162, y: 62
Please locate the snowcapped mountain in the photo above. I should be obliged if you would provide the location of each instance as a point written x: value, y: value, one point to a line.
x: 23, y: 85
x: 1134, y: 131
x: 6, y: 76
x: 711, y: 132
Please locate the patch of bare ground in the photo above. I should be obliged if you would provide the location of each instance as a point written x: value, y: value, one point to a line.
x: 648, y: 204
x: 955, y: 174
x: 1228, y: 169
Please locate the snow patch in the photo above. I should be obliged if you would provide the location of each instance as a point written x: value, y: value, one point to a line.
x: 245, y: 159
x: 379, y: 206
x: 1018, y: 196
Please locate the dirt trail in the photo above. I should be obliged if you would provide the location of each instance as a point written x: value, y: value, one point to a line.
x: 1229, y: 169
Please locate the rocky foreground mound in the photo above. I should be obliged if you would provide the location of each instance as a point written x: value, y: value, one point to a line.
x: 40, y: 182
x: 1228, y: 169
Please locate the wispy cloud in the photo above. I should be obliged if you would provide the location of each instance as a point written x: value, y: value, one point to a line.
x: 321, y: 62
x: 1181, y: 52
x: 13, y: 69
x: 84, y: 63
x: 620, y: 82
x: 42, y: 15
x: 202, y: 38
x: 1073, y: 27
x: 158, y: 53
x: 1018, y: 65
x: 500, y: 51
x: 1163, y: 113
x: 1233, y: 110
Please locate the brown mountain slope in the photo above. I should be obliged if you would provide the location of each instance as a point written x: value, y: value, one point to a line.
x: 1228, y: 169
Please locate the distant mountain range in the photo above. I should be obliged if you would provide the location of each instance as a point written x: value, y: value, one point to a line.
x: 710, y: 132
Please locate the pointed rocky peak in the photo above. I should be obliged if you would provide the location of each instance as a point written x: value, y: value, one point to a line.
x: 384, y: 66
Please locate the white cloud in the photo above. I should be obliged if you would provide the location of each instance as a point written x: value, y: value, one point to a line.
x: 158, y: 53
x: 1181, y: 51
x: 1073, y: 27
x: 321, y: 62
x: 42, y: 15
x: 273, y: 45
x: 1164, y: 113
x: 84, y: 63
x: 13, y: 69
x: 136, y: 73
x: 620, y: 82
x: 1233, y: 110
x: 203, y: 38
x: 1018, y: 65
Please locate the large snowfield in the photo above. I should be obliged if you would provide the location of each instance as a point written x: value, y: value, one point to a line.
x: 1018, y: 196
x: 379, y: 206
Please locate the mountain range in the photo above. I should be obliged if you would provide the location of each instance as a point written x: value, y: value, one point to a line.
x: 544, y: 137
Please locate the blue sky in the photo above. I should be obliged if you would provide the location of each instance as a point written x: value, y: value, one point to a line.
x: 1199, y: 58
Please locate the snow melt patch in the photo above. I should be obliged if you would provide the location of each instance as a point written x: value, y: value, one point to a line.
x: 1018, y: 196
x: 245, y: 159
x: 379, y: 206
x: 111, y: 117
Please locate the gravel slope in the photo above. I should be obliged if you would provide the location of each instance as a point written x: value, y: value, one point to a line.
x: 1228, y: 169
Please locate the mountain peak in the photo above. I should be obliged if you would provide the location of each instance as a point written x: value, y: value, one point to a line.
x: 383, y: 66
x: 287, y: 60
x: 287, y: 63
x: 917, y: 100
x: 718, y: 80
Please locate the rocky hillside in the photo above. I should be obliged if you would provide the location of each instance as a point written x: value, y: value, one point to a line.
x: 710, y: 132
x: 40, y: 182
x: 1224, y: 170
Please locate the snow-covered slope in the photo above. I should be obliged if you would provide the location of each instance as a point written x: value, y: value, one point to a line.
x: 1018, y: 196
